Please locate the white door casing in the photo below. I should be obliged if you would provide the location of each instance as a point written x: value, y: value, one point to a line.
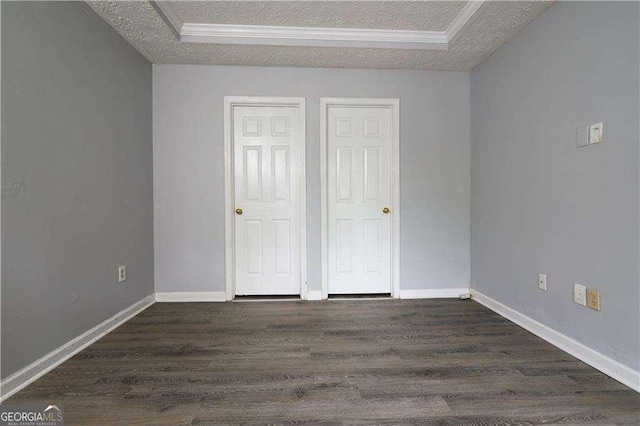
x: 265, y: 178
x: 360, y: 178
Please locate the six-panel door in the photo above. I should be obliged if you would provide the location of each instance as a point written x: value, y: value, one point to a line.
x: 266, y: 143
x: 359, y: 199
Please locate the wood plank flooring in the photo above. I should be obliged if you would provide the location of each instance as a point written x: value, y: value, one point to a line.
x: 440, y: 362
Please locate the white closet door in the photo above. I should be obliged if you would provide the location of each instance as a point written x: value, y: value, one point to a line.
x: 267, y: 196
x: 359, y: 200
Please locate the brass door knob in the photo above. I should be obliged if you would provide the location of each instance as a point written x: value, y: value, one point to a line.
x: 238, y: 211
x: 385, y: 210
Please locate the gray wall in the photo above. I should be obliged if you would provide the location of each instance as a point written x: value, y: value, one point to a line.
x: 188, y: 167
x: 76, y: 176
x: 539, y: 204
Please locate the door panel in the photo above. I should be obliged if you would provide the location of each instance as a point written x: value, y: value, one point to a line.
x: 252, y: 173
x: 371, y: 246
x: 254, y: 241
x: 267, y: 188
x: 371, y: 174
x: 359, y: 188
x: 344, y: 237
x: 344, y: 174
x: 281, y: 173
x: 282, y: 246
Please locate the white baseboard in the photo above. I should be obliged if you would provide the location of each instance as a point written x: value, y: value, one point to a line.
x: 314, y: 295
x: 40, y: 367
x: 608, y: 366
x: 439, y: 293
x: 192, y: 296
x: 212, y: 296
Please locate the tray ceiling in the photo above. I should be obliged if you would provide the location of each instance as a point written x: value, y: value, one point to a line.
x: 392, y: 15
x: 419, y: 35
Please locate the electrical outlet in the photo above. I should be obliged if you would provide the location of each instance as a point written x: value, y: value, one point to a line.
x: 122, y: 273
x: 593, y: 299
x: 580, y: 294
x: 542, y: 281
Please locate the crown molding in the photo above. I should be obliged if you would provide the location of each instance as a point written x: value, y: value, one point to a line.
x: 169, y: 16
x: 310, y: 36
x: 466, y: 16
x: 317, y: 37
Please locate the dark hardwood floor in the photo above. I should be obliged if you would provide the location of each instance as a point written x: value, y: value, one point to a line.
x: 359, y: 362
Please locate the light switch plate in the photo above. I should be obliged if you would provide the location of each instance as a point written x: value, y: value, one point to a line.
x: 582, y: 136
x: 595, y: 133
x: 580, y: 294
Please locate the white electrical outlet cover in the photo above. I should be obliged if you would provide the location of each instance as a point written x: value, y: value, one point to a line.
x: 580, y: 294
x: 542, y: 281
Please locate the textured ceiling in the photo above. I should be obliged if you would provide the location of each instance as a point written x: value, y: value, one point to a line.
x: 140, y: 24
x: 395, y: 15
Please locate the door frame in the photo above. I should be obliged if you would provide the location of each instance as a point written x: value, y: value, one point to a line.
x: 229, y: 184
x: 394, y: 105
